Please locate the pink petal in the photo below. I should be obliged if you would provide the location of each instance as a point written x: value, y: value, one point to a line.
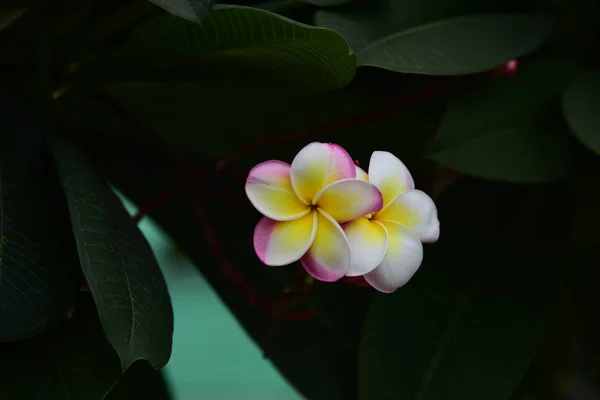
x: 317, y: 165
x: 403, y: 258
x: 269, y: 189
x: 349, y: 199
x: 389, y: 174
x: 328, y: 259
x: 283, y: 242
x: 369, y: 243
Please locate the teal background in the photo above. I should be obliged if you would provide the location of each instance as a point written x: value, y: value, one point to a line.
x: 213, y: 358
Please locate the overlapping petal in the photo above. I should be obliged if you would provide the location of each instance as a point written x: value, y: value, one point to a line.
x: 361, y: 174
x: 316, y: 166
x: 328, y: 259
x: 389, y: 174
x: 415, y: 210
x: 369, y: 242
x: 283, y: 242
x: 269, y: 189
x: 403, y: 258
x: 349, y: 199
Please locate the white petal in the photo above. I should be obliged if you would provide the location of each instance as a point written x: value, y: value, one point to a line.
x: 389, y: 174
x: 368, y: 241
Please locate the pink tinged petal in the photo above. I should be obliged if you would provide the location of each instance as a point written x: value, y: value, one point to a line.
x: 328, y: 259
x: 283, y: 242
x: 317, y: 165
x: 349, y: 199
x: 415, y: 210
x: 361, y: 174
x: 269, y: 189
x: 389, y: 174
x: 369, y: 242
x: 403, y: 258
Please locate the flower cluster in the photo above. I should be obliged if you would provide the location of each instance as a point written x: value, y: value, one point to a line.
x: 339, y: 221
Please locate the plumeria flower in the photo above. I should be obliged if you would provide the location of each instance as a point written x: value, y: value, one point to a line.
x: 386, y: 245
x: 303, y: 205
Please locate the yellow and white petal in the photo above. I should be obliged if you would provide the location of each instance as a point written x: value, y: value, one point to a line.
x: 280, y: 243
x: 317, y: 165
x: 415, y: 210
x: 328, y: 259
x: 349, y: 199
x: 269, y: 189
x: 368, y: 241
x: 389, y: 174
x: 403, y: 258
x: 361, y: 174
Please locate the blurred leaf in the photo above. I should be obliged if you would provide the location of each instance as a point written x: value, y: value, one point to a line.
x: 140, y: 382
x: 327, y: 3
x: 505, y: 128
x: 458, y: 46
x: 11, y: 11
x: 581, y: 106
x: 192, y: 10
x: 38, y: 280
x: 363, y: 23
x: 128, y: 287
x: 469, y: 323
x: 70, y: 362
x: 236, y: 46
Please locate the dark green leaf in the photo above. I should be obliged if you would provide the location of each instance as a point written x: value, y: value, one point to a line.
x: 128, y: 287
x: 140, y: 382
x: 458, y: 46
x: 236, y: 46
x: 327, y: 3
x: 581, y: 106
x: 506, y: 129
x: 192, y: 10
x: 38, y: 262
x: 71, y: 362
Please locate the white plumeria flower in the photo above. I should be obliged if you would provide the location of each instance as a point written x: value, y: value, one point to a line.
x: 386, y: 245
x: 303, y: 205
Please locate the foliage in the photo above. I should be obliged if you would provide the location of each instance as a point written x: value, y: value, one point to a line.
x: 173, y: 101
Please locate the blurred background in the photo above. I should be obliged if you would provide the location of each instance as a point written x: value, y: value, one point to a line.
x: 213, y: 358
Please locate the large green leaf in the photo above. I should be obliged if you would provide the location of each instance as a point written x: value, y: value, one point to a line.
x: 458, y: 46
x: 128, y: 287
x: 468, y: 325
x: 236, y: 46
x: 192, y: 10
x: 38, y: 262
x: 506, y: 129
x: 70, y: 362
x: 581, y: 106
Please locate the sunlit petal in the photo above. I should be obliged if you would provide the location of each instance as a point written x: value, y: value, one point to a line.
x: 349, y: 199
x: 361, y: 174
x: 415, y: 210
x: 368, y: 244
x: 328, y: 259
x: 317, y: 165
x: 280, y: 243
x: 403, y: 258
x: 269, y: 189
x: 389, y: 174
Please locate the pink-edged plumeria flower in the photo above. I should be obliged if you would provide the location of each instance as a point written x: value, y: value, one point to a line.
x: 303, y: 205
x: 386, y: 245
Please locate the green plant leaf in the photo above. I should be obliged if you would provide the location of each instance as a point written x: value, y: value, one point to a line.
x: 192, y: 10
x: 327, y: 3
x: 38, y: 280
x: 236, y: 46
x: 128, y: 287
x: 581, y: 107
x: 458, y: 46
x: 505, y: 129
x: 140, y: 382
x: 70, y: 362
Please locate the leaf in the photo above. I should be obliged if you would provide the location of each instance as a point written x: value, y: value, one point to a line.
x: 236, y: 46
x: 192, y: 10
x: 458, y: 46
x: 128, y: 287
x: 469, y: 323
x: 38, y: 279
x: 70, y: 362
x: 327, y: 3
x: 504, y: 129
x: 140, y: 382
x: 581, y: 107
x: 367, y: 22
